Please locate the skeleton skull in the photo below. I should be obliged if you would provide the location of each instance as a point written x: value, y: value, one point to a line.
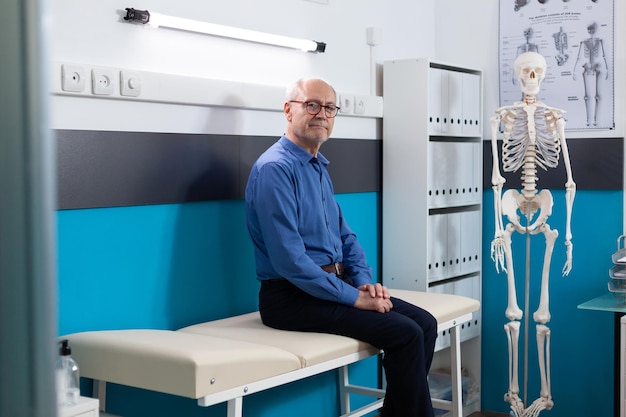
x: 530, y: 68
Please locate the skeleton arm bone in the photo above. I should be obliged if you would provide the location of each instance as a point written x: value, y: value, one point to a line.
x: 570, y: 193
x: 497, y: 181
x: 606, y: 66
x: 580, y: 48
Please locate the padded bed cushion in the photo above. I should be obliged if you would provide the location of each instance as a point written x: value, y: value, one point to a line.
x: 315, y: 348
x: 310, y: 348
x: 177, y: 363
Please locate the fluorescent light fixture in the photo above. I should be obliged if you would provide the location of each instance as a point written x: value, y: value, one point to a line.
x: 161, y: 20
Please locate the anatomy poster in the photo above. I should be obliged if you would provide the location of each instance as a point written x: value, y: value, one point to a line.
x: 576, y: 38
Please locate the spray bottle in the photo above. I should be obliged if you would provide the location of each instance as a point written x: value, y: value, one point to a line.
x: 67, y: 377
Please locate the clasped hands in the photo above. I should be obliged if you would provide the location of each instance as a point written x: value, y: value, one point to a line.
x: 374, y: 297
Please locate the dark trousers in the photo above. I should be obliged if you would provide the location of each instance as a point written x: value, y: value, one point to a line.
x: 406, y: 334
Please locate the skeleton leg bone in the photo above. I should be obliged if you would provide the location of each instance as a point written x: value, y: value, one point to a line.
x: 512, y: 395
x: 542, y: 315
x: 544, y: 402
x: 590, y: 79
x: 586, y: 98
x: 596, y: 99
x: 509, y: 208
x: 543, y: 348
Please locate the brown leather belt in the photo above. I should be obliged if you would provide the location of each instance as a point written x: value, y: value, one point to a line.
x: 336, y: 268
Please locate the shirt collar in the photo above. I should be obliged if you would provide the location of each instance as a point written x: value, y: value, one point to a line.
x: 303, y: 156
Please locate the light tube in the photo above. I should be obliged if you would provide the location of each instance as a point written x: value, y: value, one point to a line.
x: 161, y: 20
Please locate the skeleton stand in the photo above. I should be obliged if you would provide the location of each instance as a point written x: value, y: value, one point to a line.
x: 534, y: 135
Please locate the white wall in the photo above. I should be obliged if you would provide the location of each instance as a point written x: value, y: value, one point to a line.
x: 96, y: 35
x: 454, y: 31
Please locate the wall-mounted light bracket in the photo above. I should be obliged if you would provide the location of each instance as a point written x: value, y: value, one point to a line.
x: 137, y: 16
x: 159, y: 20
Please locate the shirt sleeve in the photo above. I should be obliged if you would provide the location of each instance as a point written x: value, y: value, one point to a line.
x: 277, y: 211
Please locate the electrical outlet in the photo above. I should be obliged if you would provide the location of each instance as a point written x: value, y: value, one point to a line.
x: 72, y: 78
x: 359, y: 105
x: 346, y: 104
x: 102, y: 82
x: 130, y: 83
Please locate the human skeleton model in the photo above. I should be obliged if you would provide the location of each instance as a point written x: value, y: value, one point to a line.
x: 560, y: 43
x: 534, y: 136
x: 593, y: 51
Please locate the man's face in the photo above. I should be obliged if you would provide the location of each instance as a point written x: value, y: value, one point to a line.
x: 307, y: 130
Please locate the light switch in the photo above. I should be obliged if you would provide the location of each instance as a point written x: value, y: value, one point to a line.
x: 130, y: 83
x: 359, y: 105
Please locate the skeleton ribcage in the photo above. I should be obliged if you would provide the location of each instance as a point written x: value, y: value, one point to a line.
x: 591, y: 48
x: 518, y: 144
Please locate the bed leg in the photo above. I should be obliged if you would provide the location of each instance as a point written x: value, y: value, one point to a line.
x: 99, y: 391
x: 455, y: 369
x: 235, y: 407
x: 344, y: 395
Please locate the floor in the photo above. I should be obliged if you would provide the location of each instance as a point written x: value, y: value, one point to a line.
x: 480, y: 414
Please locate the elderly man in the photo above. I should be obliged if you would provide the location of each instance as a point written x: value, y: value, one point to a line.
x: 313, y: 271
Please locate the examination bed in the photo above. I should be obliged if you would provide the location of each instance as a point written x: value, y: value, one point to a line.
x: 228, y: 359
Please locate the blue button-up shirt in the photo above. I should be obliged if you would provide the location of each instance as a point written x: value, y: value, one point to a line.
x: 296, y: 225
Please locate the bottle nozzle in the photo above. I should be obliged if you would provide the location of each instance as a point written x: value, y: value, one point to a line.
x: 65, y: 349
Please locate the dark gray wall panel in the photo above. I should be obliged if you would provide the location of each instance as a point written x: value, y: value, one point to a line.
x: 597, y: 164
x: 104, y: 169
x: 107, y: 169
x: 249, y: 152
x: 355, y: 165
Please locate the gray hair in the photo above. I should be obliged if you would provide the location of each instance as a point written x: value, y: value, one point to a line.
x: 294, y: 89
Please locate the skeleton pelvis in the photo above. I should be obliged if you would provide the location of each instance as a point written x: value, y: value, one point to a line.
x: 536, y: 209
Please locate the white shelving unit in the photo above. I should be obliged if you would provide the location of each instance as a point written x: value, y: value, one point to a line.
x: 84, y: 407
x: 432, y: 189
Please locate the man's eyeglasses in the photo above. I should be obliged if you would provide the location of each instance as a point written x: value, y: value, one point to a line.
x: 314, y: 108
